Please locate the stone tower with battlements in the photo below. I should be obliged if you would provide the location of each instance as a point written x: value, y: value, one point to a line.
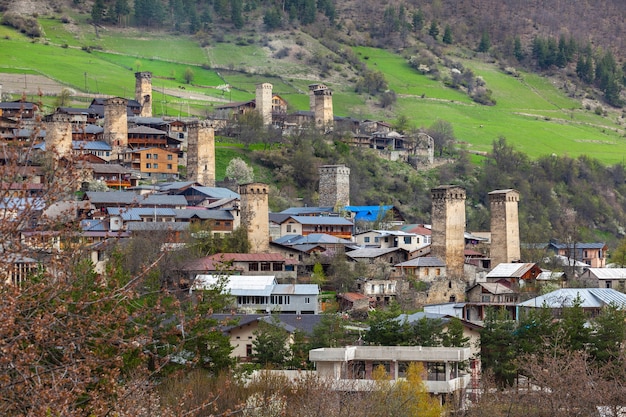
x: 255, y: 215
x: 505, y: 243
x: 323, y: 112
x: 143, y: 92
x: 59, y: 136
x: 312, y: 88
x: 201, y: 153
x: 264, y: 102
x: 448, y: 227
x: 116, y: 125
x: 334, y: 189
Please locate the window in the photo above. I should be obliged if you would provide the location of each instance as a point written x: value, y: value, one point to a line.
x: 169, y: 157
x: 148, y: 165
x: 307, y: 300
x: 608, y: 284
x: 265, y: 266
x: 156, y: 166
x: 366, y: 239
x: 253, y: 266
x: 155, y: 156
x: 376, y: 239
x: 288, y: 228
x: 407, y: 240
x: 169, y: 166
x: 277, y: 266
x: 437, y: 271
x: 148, y: 156
x: 486, y: 299
x: 248, y: 350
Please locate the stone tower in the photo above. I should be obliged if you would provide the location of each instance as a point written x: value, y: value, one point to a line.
x: 264, y: 102
x: 505, y: 244
x: 255, y: 215
x: 201, y: 153
x: 323, y: 112
x: 448, y: 227
x: 59, y: 136
x: 312, y: 88
x: 334, y: 189
x: 116, y: 125
x: 143, y: 92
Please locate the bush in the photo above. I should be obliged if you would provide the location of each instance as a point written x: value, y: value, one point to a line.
x: 26, y: 24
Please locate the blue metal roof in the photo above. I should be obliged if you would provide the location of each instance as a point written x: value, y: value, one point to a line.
x: 368, y: 213
x: 137, y: 213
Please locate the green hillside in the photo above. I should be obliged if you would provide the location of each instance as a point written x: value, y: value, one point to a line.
x: 530, y: 111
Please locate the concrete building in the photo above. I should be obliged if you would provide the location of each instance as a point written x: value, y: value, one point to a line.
x: 448, y: 227
x: 264, y: 102
x: 505, y: 242
x: 334, y: 187
x: 116, y: 125
x: 143, y: 92
x: 351, y: 367
x: 255, y: 215
x: 201, y: 154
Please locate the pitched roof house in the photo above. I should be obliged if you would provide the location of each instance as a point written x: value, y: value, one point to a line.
x: 605, y: 277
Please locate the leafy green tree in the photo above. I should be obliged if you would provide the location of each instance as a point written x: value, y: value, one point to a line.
x: 608, y: 335
x: 426, y: 332
x: 485, y: 42
x: 454, y: 337
x: 272, y: 19
x: 518, y: 51
x: 238, y: 170
x: 319, y: 277
x: 236, y: 13
x: 573, y: 326
x: 535, y: 332
x: 434, y: 30
x: 447, y: 35
x: 122, y: 10
x: 618, y: 255
x: 418, y: 20
x: 271, y: 344
x: 497, y: 346
x: 188, y: 75
x: 97, y: 11
x: 331, y: 332
x: 442, y: 133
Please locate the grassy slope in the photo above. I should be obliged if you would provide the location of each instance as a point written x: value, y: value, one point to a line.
x: 530, y: 112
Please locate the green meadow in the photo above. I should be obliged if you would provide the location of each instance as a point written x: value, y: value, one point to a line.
x: 532, y: 113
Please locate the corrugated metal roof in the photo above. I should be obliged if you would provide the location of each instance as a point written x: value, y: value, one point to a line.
x: 323, y: 220
x: 608, y: 273
x: 127, y: 197
x: 216, y: 192
x: 509, y: 270
x: 299, y: 289
x: 137, y: 213
x: 203, y: 214
x: 496, y: 288
x: 239, y: 284
x: 157, y: 226
x: 298, y: 211
x: 590, y: 297
x: 370, y: 252
x: 423, y: 261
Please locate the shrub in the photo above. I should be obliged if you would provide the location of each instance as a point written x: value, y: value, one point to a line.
x: 25, y: 24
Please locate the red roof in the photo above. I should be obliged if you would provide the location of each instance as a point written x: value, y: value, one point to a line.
x: 352, y: 296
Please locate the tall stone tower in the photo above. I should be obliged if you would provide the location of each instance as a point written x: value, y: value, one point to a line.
x: 59, y: 136
x: 143, y: 92
x: 334, y: 189
x: 116, y: 125
x: 448, y: 227
x: 201, y: 153
x: 255, y: 215
x: 264, y: 102
x: 312, y: 88
x: 323, y: 112
x: 505, y: 244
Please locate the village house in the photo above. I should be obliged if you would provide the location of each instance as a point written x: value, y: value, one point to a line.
x: 592, y: 300
x: 389, y: 239
x: 425, y: 268
x: 351, y: 368
x: 262, y: 294
x: 305, y: 225
x: 485, y: 295
x: 242, y: 335
x: 515, y: 275
x: 605, y: 278
x: 593, y: 254
x: 265, y: 264
x: 155, y: 163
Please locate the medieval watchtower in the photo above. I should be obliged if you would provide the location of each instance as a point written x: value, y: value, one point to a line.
x: 505, y: 243
x: 334, y: 188
x: 323, y: 112
x: 143, y: 92
x: 312, y: 88
x: 448, y: 227
x: 264, y: 102
x: 59, y: 136
x: 116, y: 125
x: 255, y: 215
x: 201, y: 153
